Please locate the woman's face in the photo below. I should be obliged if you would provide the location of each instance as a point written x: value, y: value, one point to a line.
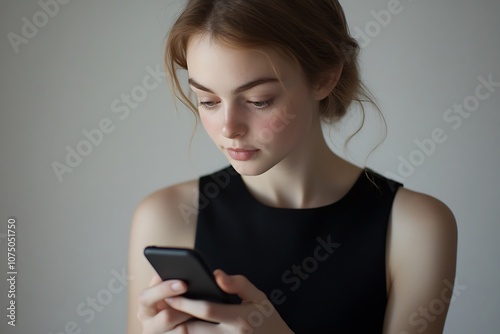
x: 257, y: 119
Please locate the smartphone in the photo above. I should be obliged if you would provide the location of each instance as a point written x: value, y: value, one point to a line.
x: 189, y: 266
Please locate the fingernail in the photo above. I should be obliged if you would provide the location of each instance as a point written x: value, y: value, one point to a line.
x: 177, y: 286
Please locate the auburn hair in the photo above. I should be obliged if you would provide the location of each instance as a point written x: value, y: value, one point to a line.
x: 313, y: 33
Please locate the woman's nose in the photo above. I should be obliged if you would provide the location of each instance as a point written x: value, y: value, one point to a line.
x: 234, y: 122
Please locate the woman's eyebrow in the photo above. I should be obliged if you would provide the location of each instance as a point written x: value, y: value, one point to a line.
x: 238, y: 90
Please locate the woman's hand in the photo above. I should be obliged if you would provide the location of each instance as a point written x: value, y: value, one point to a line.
x: 254, y: 315
x: 154, y: 313
x: 162, y: 310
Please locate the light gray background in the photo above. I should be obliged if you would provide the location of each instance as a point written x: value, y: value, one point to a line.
x: 72, y: 235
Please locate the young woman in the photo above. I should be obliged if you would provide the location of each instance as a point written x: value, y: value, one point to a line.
x: 310, y: 242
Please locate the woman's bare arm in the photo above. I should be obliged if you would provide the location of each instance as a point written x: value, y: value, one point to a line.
x: 161, y: 220
x: 421, y: 253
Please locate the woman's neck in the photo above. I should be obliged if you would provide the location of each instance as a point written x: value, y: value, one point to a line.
x: 310, y: 177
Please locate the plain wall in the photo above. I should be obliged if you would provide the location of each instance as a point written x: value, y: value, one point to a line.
x: 69, y: 76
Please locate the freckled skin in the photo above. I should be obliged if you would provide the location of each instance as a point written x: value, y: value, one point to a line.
x: 279, y: 130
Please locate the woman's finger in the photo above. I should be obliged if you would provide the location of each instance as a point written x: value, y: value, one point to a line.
x: 231, y: 314
x: 240, y: 285
x: 168, y: 319
x: 150, y: 297
x: 155, y: 280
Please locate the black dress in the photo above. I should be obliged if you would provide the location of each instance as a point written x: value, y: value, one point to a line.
x: 322, y: 268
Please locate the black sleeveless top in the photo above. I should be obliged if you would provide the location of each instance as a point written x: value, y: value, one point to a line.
x: 322, y: 268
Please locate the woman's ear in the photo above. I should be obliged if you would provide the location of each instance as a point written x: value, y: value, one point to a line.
x: 328, y: 82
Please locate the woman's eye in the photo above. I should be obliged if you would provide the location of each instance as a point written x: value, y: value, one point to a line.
x: 262, y: 104
x: 209, y: 104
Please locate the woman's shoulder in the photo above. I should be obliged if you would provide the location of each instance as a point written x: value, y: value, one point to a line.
x: 422, y: 250
x: 419, y: 219
x: 166, y: 200
x: 168, y: 215
x: 416, y: 210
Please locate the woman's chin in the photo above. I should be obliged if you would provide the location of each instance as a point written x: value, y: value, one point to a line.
x: 249, y: 168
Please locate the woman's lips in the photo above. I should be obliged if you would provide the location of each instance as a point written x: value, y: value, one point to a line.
x: 242, y: 154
